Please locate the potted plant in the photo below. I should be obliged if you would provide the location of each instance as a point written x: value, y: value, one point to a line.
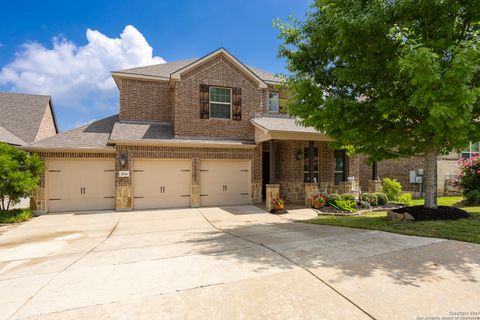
x: 278, y: 203
x: 319, y: 201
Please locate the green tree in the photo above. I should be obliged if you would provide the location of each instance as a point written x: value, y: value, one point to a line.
x: 388, y: 78
x: 19, y: 175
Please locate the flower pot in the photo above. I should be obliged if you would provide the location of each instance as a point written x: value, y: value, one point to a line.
x: 318, y: 205
x: 278, y: 206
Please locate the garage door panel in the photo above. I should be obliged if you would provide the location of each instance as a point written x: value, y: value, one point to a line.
x: 162, y: 183
x: 79, y: 185
x: 224, y: 182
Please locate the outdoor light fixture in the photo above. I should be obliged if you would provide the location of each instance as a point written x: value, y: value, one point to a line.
x: 123, y: 159
x: 298, y: 155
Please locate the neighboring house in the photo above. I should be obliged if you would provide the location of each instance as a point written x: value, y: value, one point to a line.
x: 203, y: 132
x: 26, y: 118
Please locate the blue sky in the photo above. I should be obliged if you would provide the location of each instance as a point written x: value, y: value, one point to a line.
x: 45, y: 47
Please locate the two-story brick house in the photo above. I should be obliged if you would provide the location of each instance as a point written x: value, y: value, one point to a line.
x: 202, y: 132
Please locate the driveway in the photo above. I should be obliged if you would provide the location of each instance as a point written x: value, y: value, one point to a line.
x: 227, y: 263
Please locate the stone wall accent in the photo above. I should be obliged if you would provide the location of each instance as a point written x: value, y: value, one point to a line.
x: 273, y: 191
x: 38, y: 201
x: 447, y: 169
x: 219, y: 71
x: 47, y: 125
x: 123, y: 198
x: 256, y: 191
x: 195, y: 191
x: 374, y: 186
x: 143, y: 100
x: 293, y: 192
x: 311, y: 189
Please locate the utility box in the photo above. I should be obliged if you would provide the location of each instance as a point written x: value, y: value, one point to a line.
x: 413, y: 176
x: 419, y: 179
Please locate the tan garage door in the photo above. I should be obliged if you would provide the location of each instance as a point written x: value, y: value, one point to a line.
x: 224, y: 182
x: 161, y: 183
x: 80, y: 184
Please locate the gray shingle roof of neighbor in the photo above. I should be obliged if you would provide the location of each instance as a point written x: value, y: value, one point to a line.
x: 22, y: 114
x: 162, y: 133
x: 164, y: 70
x: 9, y: 138
x: 93, y: 135
x: 281, y: 122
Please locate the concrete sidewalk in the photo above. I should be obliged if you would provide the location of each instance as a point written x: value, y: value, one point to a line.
x: 232, y: 262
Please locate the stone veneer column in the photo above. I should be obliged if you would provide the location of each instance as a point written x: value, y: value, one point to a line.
x: 195, y: 192
x: 374, y: 185
x: 273, y: 191
x: 123, y: 185
x: 311, y: 189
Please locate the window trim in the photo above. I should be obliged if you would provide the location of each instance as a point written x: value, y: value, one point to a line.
x: 469, y: 152
x: 278, y: 101
x: 225, y: 103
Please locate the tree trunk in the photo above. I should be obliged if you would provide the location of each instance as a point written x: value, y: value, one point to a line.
x: 8, y: 204
x: 430, y: 182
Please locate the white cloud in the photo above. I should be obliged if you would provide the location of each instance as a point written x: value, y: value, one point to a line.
x: 78, y: 76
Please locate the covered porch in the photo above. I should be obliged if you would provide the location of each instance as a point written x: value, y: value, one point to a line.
x: 298, y: 162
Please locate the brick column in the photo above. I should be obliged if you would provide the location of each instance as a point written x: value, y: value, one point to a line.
x: 311, y: 189
x: 374, y: 185
x: 273, y: 191
x: 195, y: 192
x: 123, y: 185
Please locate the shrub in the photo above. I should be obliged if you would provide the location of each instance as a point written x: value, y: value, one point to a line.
x: 363, y: 204
x: 19, y: 175
x: 15, y: 215
x: 382, y: 198
x: 332, y: 198
x: 406, y: 198
x: 371, y: 198
x: 348, y: 196
x: 470, y: 178
x: 345, y: 205
x: 392, y: 188
x: 473, y: 197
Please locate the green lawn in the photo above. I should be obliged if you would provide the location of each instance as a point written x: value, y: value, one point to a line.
x: 464, y: 229
x: 15, y: 215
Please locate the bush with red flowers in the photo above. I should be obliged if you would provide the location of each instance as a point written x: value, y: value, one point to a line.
x: 470, y: 179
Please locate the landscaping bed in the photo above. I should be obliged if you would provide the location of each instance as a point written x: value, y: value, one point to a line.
x: 420, y: 213
x: 328, y: 210
x: 15, y: 215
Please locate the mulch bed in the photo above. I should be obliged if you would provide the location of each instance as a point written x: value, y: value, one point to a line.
x: 420, y: 213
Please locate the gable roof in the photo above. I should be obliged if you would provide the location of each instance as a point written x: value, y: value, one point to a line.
x: 94, y: 135
x: 22, y: 114
x: 172, y: 70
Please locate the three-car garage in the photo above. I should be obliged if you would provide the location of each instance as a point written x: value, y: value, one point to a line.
x: 89, y: 184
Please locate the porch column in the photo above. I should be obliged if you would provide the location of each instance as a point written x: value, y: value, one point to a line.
x: 310, y: 161
x: 273, y: 159
x: 374, y: 170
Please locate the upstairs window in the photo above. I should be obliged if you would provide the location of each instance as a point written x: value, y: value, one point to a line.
x: 220, y: 102
x: 273, y: 101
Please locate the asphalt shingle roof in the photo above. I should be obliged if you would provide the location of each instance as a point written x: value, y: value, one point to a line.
x: 124, y: 131
x: 281, y: 123
x: 165, y: 69
x: 22, y: 114
x: 93, y: 135
x: 8, y: 137
x: 162, y: 132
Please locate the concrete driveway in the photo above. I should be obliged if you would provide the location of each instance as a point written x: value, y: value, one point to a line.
x: 227, y: 263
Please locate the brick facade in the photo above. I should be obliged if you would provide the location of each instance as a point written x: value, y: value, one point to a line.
x: 142, y: 100
x: 217, y: 72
